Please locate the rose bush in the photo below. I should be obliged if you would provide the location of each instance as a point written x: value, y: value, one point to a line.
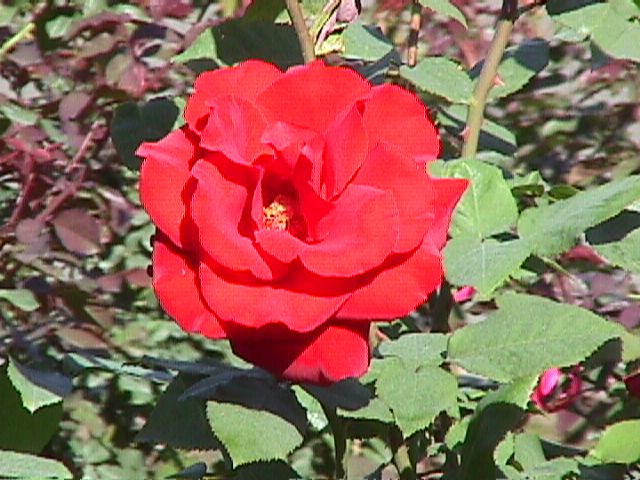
x: 293, y: 209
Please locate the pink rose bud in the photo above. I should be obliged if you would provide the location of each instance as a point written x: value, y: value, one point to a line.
x: 464, y: 294
x: 552, y: 394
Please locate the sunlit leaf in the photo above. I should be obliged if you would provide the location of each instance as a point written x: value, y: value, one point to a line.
x: 22, y: 465
x: 440, y: 76
x: 619, y: 443
x: 554, y: 228
x: 528, y: 335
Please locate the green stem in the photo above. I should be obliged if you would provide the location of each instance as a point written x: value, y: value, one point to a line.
x: 401, y: 457
x: 339, y: 440
x: 300, y: 26
x: 487, y: 76
x: 17, y: 38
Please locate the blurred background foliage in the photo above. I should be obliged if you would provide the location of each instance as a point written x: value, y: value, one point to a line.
x: 85, y: 351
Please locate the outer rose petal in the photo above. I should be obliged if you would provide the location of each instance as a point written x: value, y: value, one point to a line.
x: 328, y: 354
x: 394, y: 115
x: 246, y: 81
x: 176, y: 286
x: 301, y: 301
x: 219, y: 204
x: 392, y: 169
x: 163, y: 177
x: 448, y: 193
x: 398, y: 289
x: 312, y: 96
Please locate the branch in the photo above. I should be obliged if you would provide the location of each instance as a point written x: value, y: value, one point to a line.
x: 487, y: 77
x: 17, y: 38
x: 304, y: 37
x: 414, y: 33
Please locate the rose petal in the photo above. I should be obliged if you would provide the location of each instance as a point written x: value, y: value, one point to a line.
x: 163, y: 178
x: 345, y: 152
x: 221, y: 210
x: 312, y: 96
x: 391, y: 169
x: 393, y: 115
x: 234, y: 127
x: 448, y: 193
x: 548, y: 381
x: 176, y: 286
x: 362, y: 231
x: 246, y: 80
x: 404, y: 282
x: 290, y: 142
x: 328, y: 354
x: 301, y: 301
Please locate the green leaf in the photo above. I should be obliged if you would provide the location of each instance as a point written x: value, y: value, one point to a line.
x: 553, y: 229
x: 483, y: 264
x: 251, y: 435
x: 518, y: 66
x: 552, y: 470
x: 487, y: 207
x: 21, y: 298
x: 22, y: 430
x: 22, y: 465
x: 528, y: 335
x: 517, y: 393
x: 179, y: 423
x: 133, y: 125
x: 446, y: 8
x: 58, y: 27
x: 624, y: 253
x: 611, y: 25
x: 375, y: 410
x: 19, y: 115
x: 365, y: 42
x: 527, y: 450
x: 618, y: 36
x: 416, y: 398
x: 264, y: 470
x: 440, y: 76
x: 237, y: 40
x: 416, y: 350
x: 619, y: 443
x: 34, y: 396
x: 486, y: 430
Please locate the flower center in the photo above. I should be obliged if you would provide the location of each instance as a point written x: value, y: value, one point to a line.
x: 282, y: 214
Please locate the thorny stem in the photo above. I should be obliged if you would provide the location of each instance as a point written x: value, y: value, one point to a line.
x: 300, y: 26
x: 487, y: 77
x: 17, y: 38
x: 400, y: 451
x: 414, y: 33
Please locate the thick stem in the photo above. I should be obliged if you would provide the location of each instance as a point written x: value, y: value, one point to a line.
x: 488, y: 76
x: 401, y: 457
x: 339, y: 441
x: 414, y: 33
x: 299, y: 24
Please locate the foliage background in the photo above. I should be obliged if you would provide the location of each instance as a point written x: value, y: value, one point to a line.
x: 86, y: 355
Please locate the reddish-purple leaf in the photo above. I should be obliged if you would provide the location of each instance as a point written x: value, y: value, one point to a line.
x: 73, y: 104
x: 78, y: 231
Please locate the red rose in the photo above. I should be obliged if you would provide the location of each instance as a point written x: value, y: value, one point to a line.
x: 293, y: 209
